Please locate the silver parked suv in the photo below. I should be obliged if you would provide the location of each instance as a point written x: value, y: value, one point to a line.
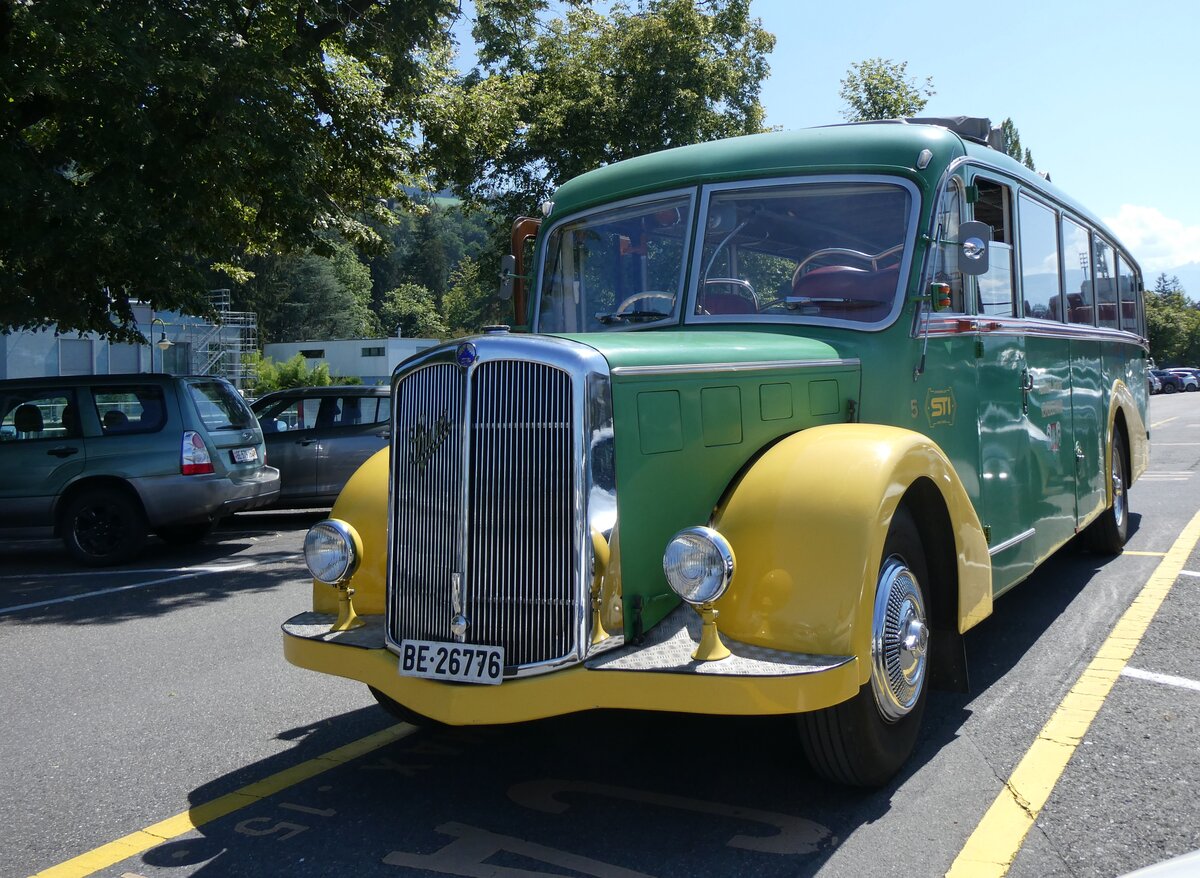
x: 100, y: 460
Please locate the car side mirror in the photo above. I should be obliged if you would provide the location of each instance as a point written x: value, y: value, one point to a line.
x: 973, y: 238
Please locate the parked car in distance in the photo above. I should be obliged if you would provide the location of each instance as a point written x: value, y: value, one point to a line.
x: 99, y: 460
x: 1153, y: 384
x: 1171, y: 383
x: 318, y: 437
x: 1190, y: 377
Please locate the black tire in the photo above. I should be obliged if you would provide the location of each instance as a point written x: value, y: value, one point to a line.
x: 103, y: 526
x: 184, y: 534
x: 1168, y: 388
x: 1108, y: 533
x: 863, y: 742
x: 404, y: 714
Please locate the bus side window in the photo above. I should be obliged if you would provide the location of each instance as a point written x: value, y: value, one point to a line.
x: 1039, y: 260
x: 1104, y: 270
x: 1077, y: 273
x: 945, y: 260
x: 994, y: 207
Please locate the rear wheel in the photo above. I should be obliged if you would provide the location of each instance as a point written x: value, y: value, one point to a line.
x: 864, y: 741
x: 103, y: 526
x: 1168, y: 388
x: 1107, y: 534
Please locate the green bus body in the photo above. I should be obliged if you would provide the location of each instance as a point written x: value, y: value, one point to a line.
x: 681, y: 438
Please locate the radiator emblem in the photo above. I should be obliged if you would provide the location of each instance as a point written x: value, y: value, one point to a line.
x: 466, y: 354
x: 424, y: 440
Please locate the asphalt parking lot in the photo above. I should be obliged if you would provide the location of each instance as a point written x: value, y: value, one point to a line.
x: 152, y: 728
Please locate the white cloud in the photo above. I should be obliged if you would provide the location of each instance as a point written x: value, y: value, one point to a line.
x: 1157, y: 242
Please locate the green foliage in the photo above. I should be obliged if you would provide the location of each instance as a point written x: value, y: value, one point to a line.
x: 309, y: 296
x: 1012, y: 140
x: 1173, y: 324
x: 270, y: 375
x: 880, y: 89
x: 553, y: 97
x: 411, y: 309
x: 145, y: 145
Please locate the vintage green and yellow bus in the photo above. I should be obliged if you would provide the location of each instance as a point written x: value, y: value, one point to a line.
x: 781, y: 416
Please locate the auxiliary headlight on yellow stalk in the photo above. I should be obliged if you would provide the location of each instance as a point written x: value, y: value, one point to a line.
x: 699, y: 565
x: 332, y: 549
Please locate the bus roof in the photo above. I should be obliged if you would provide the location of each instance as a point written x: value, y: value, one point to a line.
x: 863, y: 147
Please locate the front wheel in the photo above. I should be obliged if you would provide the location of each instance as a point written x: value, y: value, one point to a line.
x: 101, y: 527
x: 864, y: 741
x: 1107, y: 534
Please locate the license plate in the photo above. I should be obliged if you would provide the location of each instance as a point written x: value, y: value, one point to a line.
x: 245, y: 455
x: 463, y: 662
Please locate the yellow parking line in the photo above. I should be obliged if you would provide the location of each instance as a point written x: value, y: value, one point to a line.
x: 1163, y: 421
x: 1144, y: 554
x: 135, y: 843
x: 994, y: 844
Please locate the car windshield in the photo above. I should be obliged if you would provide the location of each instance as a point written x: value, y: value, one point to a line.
x: 220, y: 406
x: 616, y: 268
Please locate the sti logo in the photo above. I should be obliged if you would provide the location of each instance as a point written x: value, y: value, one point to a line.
x: 940, y: 407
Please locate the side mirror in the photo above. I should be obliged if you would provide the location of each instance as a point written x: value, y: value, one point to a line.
x: 973, y: 238
x: 508, y: 267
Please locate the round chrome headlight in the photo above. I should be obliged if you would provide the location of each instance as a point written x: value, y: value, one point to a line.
x: 332, y: 549
x: 698, y: 563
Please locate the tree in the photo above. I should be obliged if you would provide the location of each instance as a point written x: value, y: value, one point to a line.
x: 270, y: 375
x: 411, y: 310
x: 319, y: 297
x: 1012, y: 144
x: 552, y: 97
x: 1172, y: 323
x: 880, y: 89
x: 145, y: 145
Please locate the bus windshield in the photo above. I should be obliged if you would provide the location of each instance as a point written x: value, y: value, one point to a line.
x: 824, y: 249
x: 616, y: 267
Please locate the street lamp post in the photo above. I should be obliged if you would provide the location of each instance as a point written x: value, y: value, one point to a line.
x: 162, y: 344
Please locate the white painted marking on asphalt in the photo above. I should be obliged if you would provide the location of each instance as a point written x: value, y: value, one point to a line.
x: 195, y: 571
x: 1188, y: 573
x: 1164, y: 679
x: 204, y: 568
x: 1177, y: 444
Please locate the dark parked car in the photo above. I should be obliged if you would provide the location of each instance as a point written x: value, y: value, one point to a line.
x: 99, y: 460
x: 1171, y: 383
x: 1190, y: 377
x: 318, y: 437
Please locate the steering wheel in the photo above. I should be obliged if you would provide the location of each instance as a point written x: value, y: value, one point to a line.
x: 740, y: 287
x: 857, y: 255
x: 627, y: 304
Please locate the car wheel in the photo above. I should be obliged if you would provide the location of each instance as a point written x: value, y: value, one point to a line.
x: 101, y: 527
x: 864, y: 741
x: 1107, y: 534
x: 184, y: 534
x: 1168, y: 388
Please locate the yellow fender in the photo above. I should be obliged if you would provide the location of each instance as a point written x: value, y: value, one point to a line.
x: 1121, y: 400
x: 363, y: 505
x: 807, y: 523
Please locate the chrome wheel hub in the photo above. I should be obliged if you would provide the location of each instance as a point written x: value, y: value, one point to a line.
x: 1118, y: 487
x: 899, y: 641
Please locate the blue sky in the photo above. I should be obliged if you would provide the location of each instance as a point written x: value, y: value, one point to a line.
x: 1106, y: 95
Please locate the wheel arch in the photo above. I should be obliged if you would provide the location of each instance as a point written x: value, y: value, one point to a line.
x: 808, y: 521
x: 99, y: 483
x: 1124, y: 415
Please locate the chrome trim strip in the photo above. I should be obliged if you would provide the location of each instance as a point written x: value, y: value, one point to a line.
x: 958, y: 325
x: 766, y: 366
x: 1008, y: 544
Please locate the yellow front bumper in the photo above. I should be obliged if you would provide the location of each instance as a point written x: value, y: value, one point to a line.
x: 573, y: 689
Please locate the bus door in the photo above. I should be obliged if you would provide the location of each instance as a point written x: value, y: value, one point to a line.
x: 1003, y: 379
x: 1088, y: 404
x: 1047, y: 401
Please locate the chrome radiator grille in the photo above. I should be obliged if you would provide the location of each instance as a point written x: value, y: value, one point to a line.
x: 502, y: 554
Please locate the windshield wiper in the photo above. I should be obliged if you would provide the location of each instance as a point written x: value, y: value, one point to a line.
x: 631, y: 317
